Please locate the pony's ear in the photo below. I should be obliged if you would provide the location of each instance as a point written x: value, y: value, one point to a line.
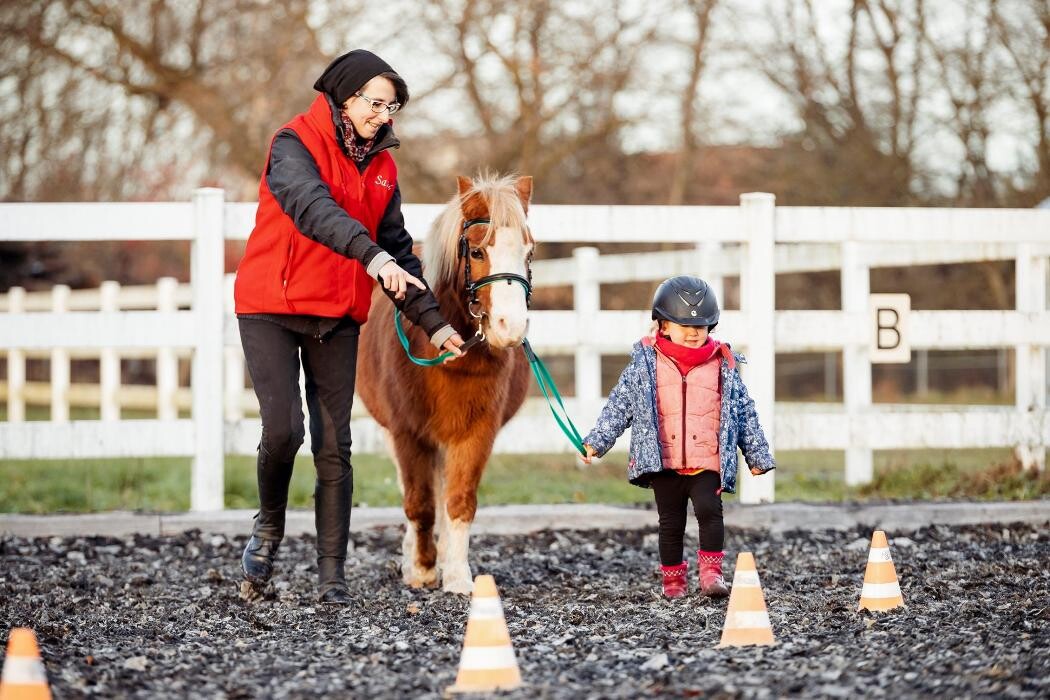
x: 524, y: 188
x: 464, y: 184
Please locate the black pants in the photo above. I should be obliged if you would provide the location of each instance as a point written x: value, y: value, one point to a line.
x: 274, y: 354
x: 673, y: 493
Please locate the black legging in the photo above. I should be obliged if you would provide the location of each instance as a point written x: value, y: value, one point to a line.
x: 274, y: 354
x: 673, y: 493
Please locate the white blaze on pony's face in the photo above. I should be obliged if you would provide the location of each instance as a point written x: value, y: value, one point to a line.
x: 508, y: 312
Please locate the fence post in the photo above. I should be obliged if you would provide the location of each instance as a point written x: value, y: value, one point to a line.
x: 831, y: 370
x: 586, y: 297
x: 109, y: 360
x: 1002, y: 370
x: 856, y: 364
x: 757, y: 295
x: 234, y: 363
x: 16, y: 364
x: 60, y: 362
x: 1031, y: 293
x: 922, y: 372
x: 206, y: 275
x: 167, y: 361
x: 709, y: 259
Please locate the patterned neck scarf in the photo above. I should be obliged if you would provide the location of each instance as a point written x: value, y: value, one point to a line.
x: 356, y: 148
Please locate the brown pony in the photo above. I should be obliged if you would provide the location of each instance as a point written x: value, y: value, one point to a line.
x: 441, y: 421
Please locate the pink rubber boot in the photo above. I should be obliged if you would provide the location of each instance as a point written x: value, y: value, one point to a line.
x: 676, y: 584
x: 711, y: 582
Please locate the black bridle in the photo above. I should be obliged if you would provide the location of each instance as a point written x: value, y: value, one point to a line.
x: 472, y: 286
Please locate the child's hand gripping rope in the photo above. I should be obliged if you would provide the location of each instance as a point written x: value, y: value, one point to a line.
x: 588, y: 455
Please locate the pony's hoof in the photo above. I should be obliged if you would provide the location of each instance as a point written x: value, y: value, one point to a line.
x: 460, y: 585
x: 422, y: 578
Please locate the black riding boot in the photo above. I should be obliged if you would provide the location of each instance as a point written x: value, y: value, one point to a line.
x: 274, y: 476
x: 332, y: 516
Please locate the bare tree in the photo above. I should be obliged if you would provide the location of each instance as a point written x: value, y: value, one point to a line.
x: 858, y: 101
x: 966, y: 67
x: 1023, y: 29
x: 701, y: 12
x: 138, y: 71
x: 541, y: 78
x: 59, y: 124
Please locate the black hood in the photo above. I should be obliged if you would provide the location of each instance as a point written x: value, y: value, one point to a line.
x: 349, y: 73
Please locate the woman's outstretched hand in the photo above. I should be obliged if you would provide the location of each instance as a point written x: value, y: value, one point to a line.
x: 395, y: 279
x: 452, y: 346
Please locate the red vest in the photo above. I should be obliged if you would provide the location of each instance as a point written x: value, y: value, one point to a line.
x: 689, y: 408
x: 283, y: 271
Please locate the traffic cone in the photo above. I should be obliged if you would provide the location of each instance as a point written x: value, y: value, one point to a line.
x: 747, y: 621
x: 881, y: 589
x: 487, y: 663
x: 23, y: 677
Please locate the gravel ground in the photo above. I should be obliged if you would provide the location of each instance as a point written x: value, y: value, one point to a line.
x: 161, y: 617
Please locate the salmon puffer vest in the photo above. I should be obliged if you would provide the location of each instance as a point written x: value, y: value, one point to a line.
x: 689, y: 407
x: 283, y: 271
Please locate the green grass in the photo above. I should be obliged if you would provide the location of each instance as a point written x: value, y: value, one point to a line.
x: 47, y: 486
x: 557, y: 479
x: 989, y: 474
x: 156, y: 484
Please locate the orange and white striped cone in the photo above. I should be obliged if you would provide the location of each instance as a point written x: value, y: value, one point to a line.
x: 747, y: 620
x: 23, y: 676
x: 487, y: 663
x: 881, y: 589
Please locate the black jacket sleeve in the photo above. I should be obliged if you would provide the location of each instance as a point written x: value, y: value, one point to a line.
x: 295, y: 182
x: 419, y: 306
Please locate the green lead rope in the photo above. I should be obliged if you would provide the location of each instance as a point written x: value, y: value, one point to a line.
x: 547, y: 386
x: 445, y: 355
x: 404, y: 343
x: 539, y: 370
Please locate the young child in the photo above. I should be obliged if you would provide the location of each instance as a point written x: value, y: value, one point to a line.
x: 688, y: 410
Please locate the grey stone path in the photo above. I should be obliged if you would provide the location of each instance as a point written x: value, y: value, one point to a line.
x: 522, y: 519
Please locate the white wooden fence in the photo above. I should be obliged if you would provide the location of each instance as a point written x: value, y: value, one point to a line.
x: 754, y: 240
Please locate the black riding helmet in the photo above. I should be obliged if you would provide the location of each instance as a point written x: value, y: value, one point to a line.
x: 687, y: 301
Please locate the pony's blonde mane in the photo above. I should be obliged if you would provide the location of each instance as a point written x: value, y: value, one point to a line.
x: 505, y: 209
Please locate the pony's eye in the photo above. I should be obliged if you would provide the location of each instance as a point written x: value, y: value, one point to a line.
x: 477, y: 253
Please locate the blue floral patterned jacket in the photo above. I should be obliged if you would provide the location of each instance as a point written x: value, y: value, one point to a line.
x: 632, y: 403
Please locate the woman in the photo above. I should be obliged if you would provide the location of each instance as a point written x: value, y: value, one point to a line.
x: 329, y: 222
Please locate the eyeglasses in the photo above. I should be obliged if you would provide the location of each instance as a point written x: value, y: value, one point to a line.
x: 378, y: 106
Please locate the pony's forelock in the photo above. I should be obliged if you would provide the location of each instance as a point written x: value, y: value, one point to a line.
x: 505, y: 209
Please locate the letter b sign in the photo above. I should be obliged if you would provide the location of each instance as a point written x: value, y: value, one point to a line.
x: 889, y: 328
